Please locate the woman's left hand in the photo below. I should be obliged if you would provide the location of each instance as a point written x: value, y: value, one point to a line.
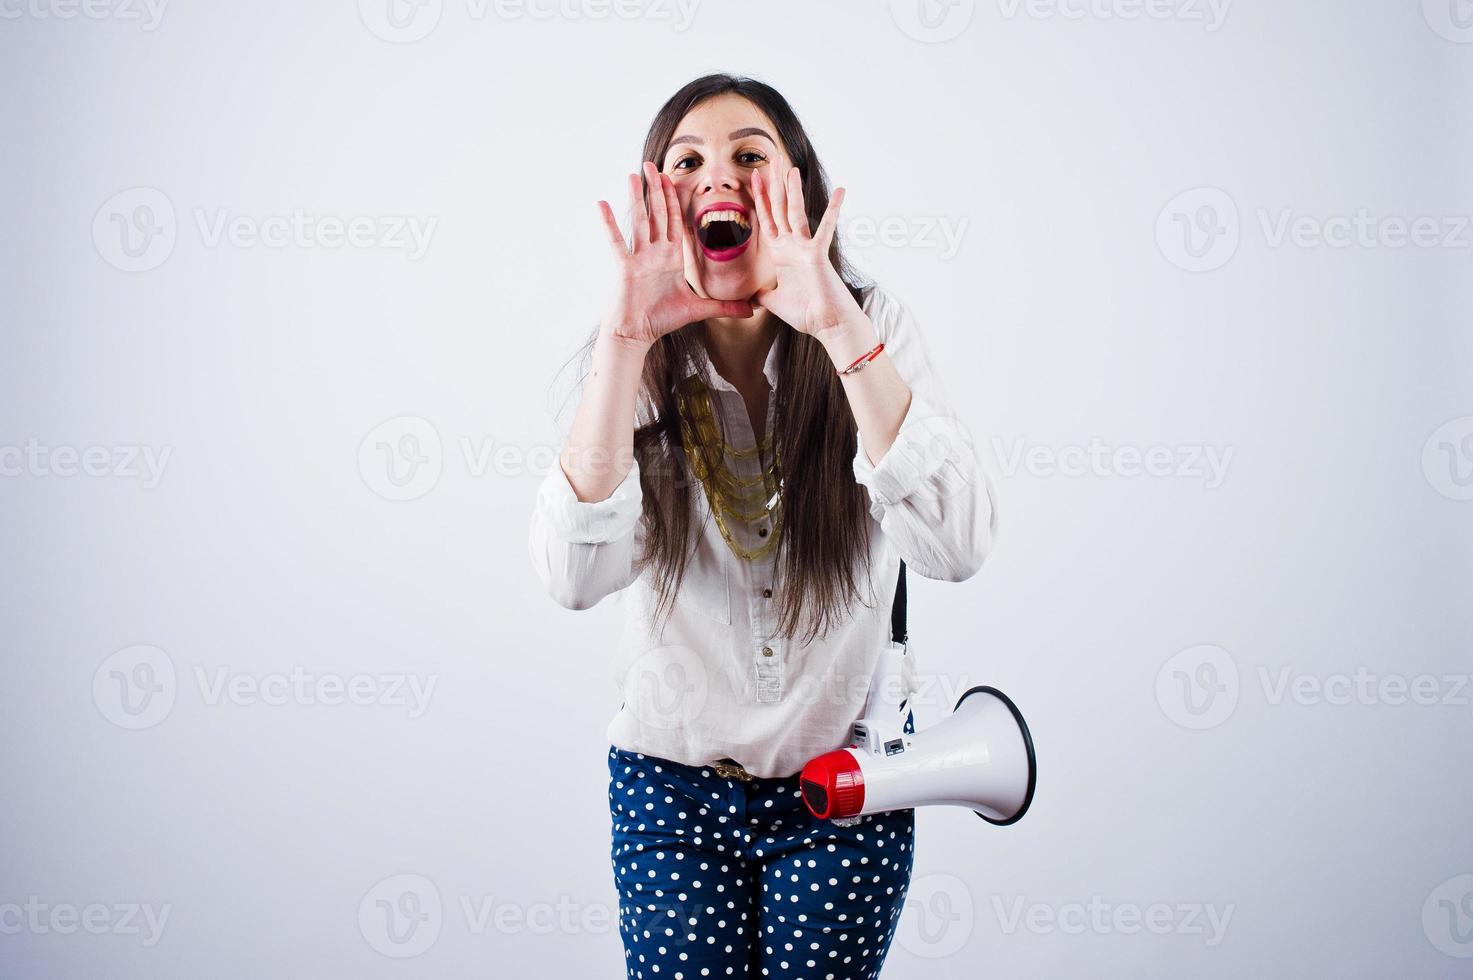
x: 809, y: 295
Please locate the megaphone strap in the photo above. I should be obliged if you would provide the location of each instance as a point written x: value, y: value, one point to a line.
x: 897, y: 611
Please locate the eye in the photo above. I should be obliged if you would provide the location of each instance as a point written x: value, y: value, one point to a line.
x: 751, y: 157
x: 689, y: 158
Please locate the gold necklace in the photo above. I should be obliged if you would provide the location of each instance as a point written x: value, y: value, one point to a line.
x: 729, y: 497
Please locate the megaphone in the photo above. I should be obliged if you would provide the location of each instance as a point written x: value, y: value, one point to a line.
x: 980, y: 757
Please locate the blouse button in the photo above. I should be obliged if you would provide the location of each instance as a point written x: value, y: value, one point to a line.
x: 767, y: 651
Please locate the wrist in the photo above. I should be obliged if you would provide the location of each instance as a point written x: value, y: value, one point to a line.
x: 622, y: 341
x: 848, y: 339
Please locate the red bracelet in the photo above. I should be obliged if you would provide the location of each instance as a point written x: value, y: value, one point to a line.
x: 863, y: 359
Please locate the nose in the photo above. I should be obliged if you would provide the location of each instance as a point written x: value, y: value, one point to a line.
x: 721, y: 176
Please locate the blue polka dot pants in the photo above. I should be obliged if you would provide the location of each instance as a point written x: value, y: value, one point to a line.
x: 723, y: 877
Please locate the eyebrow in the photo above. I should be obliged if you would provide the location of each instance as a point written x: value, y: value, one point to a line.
x: 749, y: 131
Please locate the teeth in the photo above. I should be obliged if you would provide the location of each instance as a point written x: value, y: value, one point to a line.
x: 736, y: 216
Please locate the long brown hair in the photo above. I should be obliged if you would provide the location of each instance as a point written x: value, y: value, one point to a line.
x: 825, y: 531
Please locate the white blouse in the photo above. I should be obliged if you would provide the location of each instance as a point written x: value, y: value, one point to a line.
x: 717, y: 682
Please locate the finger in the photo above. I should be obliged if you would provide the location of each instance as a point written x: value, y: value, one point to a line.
x: 639, y: 231
x: 779, y: 195
x: 658, y: 220
x: 764, y: 207
x: 797, y: 216
x: 825, y: 233
x: 676, y: 231
x: 611, y: 226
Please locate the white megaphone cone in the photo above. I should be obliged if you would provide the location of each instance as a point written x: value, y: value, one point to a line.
x: 981, y: 757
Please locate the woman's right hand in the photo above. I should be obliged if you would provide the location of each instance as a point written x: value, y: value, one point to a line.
x: 652, y: 297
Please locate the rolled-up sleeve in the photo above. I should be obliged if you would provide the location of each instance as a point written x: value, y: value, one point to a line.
x: 585, y: 550
x: 929, y: 492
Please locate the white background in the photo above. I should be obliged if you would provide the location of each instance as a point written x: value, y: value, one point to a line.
x: 1059, y: 139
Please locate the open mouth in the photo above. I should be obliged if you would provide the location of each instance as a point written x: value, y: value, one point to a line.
x: 724, y: 231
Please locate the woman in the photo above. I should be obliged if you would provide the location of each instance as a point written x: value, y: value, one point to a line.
x: 759, y: 444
